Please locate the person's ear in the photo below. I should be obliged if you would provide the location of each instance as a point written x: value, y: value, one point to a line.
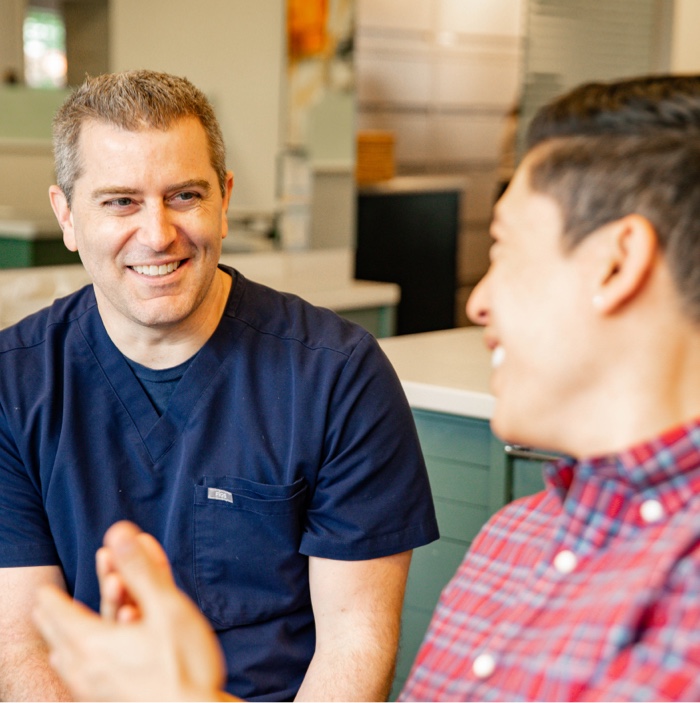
x: 63, y: 213
x: 226, y: 200
x: 630, y: 246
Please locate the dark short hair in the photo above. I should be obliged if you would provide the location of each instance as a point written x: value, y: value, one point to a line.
x: 131, y: 100
x: 630, y: 106
x: 596, y: 180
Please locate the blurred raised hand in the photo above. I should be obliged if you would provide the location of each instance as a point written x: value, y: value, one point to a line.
x: 150, y: 641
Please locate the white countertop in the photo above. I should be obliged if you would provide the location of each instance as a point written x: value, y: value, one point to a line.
x: 324, y: 277
x: 446, y: 371
x: 17, y: 225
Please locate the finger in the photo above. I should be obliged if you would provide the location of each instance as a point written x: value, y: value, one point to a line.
x: 109, y: 590
x: 141, y: 563
x: 124, y: 531
x: 112, y: 596
x: 103, y: 562
x: 155, y: 551
x: 128, y: 614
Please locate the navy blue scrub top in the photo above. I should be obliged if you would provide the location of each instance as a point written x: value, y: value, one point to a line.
x: 288, y: 436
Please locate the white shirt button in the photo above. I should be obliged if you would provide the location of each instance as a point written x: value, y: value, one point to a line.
x: 651, y: 511
x: 484, y: 665
x: 565, y: 562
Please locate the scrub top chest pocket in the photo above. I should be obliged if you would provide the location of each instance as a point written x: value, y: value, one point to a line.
x: 247, y: 564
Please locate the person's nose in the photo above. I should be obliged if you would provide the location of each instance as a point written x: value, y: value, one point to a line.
x: 158, y: 230
x: 478, y: 303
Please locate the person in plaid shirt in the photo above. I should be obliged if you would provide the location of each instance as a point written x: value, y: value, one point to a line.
x: 590, y: 589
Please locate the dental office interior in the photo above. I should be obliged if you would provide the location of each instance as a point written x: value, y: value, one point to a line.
x: 368, y: 139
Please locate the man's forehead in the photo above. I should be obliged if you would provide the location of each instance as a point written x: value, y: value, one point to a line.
x: 521, y: 206
x: 111, y: 162
x: 137, y: 128
x: 101, y: 140
x: 514, y: 199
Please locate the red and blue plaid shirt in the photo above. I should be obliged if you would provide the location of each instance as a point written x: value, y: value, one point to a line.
x: 589, y: 590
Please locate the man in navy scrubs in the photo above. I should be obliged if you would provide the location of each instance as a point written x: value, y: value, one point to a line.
x: 587, y: 590
x: 266, y: 443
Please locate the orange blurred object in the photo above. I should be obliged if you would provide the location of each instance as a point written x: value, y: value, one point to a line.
x: 306, y: 27
x: 375, y: 156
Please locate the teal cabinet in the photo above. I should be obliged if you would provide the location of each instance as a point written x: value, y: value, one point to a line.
x: 524, y: 467
x: 378, y: 321
x: 472, y: 475
x: 21, y: 253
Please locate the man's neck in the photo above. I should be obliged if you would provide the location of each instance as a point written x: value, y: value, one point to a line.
x: 164, y: 347
x: 654, y: 388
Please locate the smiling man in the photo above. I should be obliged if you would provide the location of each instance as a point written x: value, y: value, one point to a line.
x: 266, y: 443
x: 147, y: 215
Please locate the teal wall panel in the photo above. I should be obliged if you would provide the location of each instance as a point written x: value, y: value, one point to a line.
x: 457, y: 480
x: 432, y: 567
x: 454, y: 437
x: 471, y: 477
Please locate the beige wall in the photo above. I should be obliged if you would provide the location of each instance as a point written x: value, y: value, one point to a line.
x: 11, y: 50
x: 235, y: 52
x: 685, y: 48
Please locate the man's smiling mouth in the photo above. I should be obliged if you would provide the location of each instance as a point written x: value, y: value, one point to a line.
x: 161, y: 270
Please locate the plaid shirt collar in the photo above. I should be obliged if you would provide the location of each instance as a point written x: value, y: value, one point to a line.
x: 666, y: 468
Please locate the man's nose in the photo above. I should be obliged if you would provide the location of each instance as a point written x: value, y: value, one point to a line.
x: 478, y: 303
x: 158, y: 231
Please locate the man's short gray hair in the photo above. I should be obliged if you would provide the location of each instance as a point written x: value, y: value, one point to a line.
x: 131, y: 100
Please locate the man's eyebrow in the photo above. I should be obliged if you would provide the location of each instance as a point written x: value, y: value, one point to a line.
x: 202, y: 183
x: 113, y: 190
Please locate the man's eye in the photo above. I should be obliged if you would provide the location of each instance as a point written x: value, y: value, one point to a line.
x: 186, y: 196
x: 119, y: 202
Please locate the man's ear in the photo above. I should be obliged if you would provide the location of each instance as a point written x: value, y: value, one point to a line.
x: 63, y: 213
x: 226, y: 200
x: 631, y: 245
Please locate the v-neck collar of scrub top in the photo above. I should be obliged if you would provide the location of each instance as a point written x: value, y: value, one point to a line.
x: 159, y: 433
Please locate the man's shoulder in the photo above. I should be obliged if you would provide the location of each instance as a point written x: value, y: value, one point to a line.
x: 52, y: 321
x: 288, y: 317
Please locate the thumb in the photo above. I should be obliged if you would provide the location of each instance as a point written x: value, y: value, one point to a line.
x: 141, y: 563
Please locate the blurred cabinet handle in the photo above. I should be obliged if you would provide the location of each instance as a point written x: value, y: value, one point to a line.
x: 519, y: 452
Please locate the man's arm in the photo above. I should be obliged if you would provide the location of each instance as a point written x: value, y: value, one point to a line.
x: 25, y: 673
x: 357, y: 611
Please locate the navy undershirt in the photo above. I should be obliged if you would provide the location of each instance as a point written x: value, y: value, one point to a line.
x: 159, y: 384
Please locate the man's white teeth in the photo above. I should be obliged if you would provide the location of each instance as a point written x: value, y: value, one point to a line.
x: 157, y: 270
x: 497, y: 357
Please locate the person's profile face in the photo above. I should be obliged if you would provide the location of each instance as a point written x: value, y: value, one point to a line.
x: 529, y: 303
x: 147, y: 218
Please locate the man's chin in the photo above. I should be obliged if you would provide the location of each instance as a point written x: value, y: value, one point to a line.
x: 510, y: 430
